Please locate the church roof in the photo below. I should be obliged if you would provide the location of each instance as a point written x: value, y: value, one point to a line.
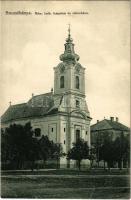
x: 38, y: 105
x: 41, y: 100
x: 107, y: 125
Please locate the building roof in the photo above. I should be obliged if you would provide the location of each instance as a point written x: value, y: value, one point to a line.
x: 108, y: 125
x: 41, y: 100
x: 38, y: 105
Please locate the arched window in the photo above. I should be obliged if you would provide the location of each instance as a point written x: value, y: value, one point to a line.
x: 77, y: 82
x: 77, y: 104
x: 37, y: 132
x: 62, y: 82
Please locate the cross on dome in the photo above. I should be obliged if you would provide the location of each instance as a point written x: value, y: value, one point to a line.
x: 69, y: 29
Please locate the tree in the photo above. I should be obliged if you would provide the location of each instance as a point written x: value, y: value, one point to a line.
x: 97, y: 148
x: 4, y: 147
x: 18, y: 145
x: 103, y: 139
x: 106, y: 152
x: 126, y: 155
x: 115, y: 151
x: 122, y: 150
x: 57, y: 152
x: 34, y: 152
x: 45, y: 148
x: 49, y: 149
x: 92, y: 155
x: 79, y: 151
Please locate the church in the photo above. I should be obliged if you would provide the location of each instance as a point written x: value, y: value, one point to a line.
x: 62, y: 114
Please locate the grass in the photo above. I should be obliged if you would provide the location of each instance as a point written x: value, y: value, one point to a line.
x: 68, y: 172
x: 87, y: 193
x: 66, y: 186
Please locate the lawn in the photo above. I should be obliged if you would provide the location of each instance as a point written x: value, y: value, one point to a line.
x: 58, y: 185
x: 68, y: 172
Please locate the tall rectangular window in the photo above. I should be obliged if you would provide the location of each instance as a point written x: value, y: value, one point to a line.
x: 77, y: 135
x: 62, y: 82
x: 77, y: 82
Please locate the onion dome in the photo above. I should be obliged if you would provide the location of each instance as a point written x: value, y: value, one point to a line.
x: 69, y: 53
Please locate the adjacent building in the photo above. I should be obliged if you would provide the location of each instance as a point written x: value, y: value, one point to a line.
x: 108, y: 129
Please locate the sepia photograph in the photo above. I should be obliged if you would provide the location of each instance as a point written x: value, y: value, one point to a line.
x: 65, y: 99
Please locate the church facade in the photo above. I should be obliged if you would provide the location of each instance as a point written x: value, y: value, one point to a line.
x: 62, y: 114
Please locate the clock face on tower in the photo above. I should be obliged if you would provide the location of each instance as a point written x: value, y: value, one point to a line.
x: 62, y: 68
x: 77, y: 67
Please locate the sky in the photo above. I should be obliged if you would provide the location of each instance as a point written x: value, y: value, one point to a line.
x: 32, y: 44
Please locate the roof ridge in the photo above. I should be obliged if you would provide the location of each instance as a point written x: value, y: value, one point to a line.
x: 17, y: 104
x: 98, y: 122
x: 42, y: 94
x: 113, y: 121
x: 108, y: 124
x: 118, y: 123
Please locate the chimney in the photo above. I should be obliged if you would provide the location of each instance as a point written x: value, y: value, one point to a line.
x: 112, y: 119
x: 10, y: 103
x: 97, y: 121
x: 117, y: 119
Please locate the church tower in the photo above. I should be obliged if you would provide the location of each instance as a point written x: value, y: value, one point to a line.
x: 69, y: 79
x: 69, y: 93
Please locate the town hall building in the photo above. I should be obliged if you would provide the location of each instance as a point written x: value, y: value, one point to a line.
x: 62, y: 114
